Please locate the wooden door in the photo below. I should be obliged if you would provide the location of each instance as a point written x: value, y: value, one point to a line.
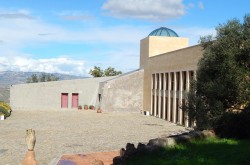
x: 74, y: 100
x: 64, y: 100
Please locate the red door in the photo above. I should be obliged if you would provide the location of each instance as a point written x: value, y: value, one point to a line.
x: 64, y: 100
x: 74, y: 100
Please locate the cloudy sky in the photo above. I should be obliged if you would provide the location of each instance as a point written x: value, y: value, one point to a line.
x: 72, y: 36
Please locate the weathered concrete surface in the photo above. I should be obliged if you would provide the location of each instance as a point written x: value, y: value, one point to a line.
x: 185, y: 59
x: 47, y: 95
x: 124, y: 93
x: 76, y: 132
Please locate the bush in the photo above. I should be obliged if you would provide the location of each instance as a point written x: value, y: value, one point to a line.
x: 234, y: 125
x: 92, y: 107
x: 5, y: 109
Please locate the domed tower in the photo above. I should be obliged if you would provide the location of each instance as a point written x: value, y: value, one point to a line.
x: 163, y: 31
x: 160, y: 41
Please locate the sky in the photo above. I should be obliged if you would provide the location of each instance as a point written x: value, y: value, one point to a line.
x: 73, y: 36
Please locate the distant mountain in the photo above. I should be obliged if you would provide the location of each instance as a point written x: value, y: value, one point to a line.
x: 8, y: 78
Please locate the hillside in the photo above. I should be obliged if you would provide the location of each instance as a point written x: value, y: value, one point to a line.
x: 8, y: 78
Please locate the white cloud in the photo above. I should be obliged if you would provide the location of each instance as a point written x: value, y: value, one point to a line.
x: 75, y: 16
x: 52, y: 65
x: 201, y: 5
x: 19, y: 14
x: 154, y: 10
x: 16, y: 33
x: 190, y: 6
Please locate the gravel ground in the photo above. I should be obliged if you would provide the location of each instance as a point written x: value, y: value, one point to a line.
x: 67, y: 132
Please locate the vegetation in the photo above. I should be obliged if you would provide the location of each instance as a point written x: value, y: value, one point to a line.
x: 98, y: 72
x: 111, y: 72
x: 86, y: 107
x: 91, y: 107
x: 212, y: 151
x: 222, y: 82
x: 44, y: 77
x: 234, y: 125
x: 5, y: 109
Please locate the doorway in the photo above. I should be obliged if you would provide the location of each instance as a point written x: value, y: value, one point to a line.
x: 64, y: 100
x: 74, y: 100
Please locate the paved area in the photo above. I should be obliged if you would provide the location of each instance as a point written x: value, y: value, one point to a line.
x: 76, y: 132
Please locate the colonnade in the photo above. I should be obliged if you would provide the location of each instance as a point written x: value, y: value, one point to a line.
x: 168, y: 94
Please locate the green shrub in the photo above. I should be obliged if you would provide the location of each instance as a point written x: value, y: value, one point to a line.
x: 4, y: 111
x: 91, y: 107
x: 5, y: 106
x: 234, y: 125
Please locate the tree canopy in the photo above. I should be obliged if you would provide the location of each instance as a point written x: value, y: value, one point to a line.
x: 98, y: 72
x: 44, y: 77
x: 111, y: 72
x: 223, y: 77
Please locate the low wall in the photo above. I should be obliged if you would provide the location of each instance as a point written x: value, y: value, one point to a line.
x: 47, y: 95
x: 124, y: 93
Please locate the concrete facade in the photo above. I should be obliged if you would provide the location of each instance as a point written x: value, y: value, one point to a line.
x: 156, y: 45
x: 167, y: 77
x: 124, y: 93
x: 47, y: 95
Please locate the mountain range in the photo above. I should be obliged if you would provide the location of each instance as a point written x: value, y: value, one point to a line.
x: 8, y: 78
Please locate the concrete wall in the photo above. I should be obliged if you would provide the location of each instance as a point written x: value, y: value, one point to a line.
x: 156, y: 45
x: 124, y: 93
x: 180, y: 60
x: 5, y: 94
x: 47, y: 95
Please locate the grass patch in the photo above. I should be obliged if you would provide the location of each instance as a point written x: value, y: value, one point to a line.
x: 212, y: 151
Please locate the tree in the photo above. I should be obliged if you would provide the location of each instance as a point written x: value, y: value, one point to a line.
x: 222, y: 81
x: 44, y: 77
x: 32, y: 79
x: 98, y: 72
x: 111, y: 72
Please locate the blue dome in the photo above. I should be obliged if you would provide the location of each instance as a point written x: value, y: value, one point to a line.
x: 163, y: 31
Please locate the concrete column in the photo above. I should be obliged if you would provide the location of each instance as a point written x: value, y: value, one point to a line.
x: 194, y: 124
x: 174, y: 99
x: 159, y: 96
x: 180, y: 117
x: 169, y: 96
x: 187, y: 90
x: 152, y: 93
x: 164, y: 95
x: 155, y: 100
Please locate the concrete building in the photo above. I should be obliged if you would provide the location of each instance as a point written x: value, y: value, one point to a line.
x: 168, y: 71
x: 158, y: 88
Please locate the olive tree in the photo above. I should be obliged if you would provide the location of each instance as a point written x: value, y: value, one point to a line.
x: 223, y: 76
x: 98, y: 72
